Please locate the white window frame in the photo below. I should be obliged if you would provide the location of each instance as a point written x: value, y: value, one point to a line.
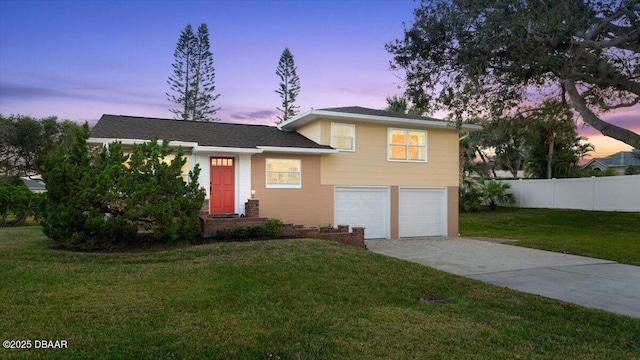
x: 426, y: 154
x: 282, y: 186
x: 353, y: 138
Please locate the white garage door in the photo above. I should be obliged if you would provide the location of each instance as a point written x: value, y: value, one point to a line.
x: 423, y: 212
x: 366, y: 207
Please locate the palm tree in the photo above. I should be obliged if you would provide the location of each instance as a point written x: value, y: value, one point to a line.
x: 496, y: 192
x: 582, y: 148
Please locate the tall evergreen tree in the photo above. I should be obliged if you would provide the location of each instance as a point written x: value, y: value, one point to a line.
x: 289, y: 85
x: 193, y: 79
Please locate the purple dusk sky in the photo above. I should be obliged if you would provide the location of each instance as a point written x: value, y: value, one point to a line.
x: 81, y: 59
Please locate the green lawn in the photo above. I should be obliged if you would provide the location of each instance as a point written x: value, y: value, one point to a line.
x: 604, y: 235
x: 289, y: 299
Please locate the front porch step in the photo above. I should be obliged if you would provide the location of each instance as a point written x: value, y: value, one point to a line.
x: 223, y: 216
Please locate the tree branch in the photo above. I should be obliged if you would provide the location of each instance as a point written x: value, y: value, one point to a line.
x: 606, y: 106
x: 607, y: 129
x: 628, y: 41
x: 602, y: 23
x: 603, y: 74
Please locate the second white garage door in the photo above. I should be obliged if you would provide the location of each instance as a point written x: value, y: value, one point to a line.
x: 366, y: 207
x: 422, y: 212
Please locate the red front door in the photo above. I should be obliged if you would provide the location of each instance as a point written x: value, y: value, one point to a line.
x: 221, y: 186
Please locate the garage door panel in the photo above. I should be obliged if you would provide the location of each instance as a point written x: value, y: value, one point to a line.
x: 422, y: 212
x: 363, y: 207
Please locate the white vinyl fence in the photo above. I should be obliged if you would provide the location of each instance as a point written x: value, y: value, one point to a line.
x: 610, y: 193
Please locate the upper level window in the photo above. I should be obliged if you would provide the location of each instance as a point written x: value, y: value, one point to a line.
x: 343, y: 136
x: 407, y: 145
x: 284, y: 173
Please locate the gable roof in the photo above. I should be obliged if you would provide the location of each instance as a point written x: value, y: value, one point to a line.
x: 210, y: 134
x: 619, y: 159
x: 359, y: 113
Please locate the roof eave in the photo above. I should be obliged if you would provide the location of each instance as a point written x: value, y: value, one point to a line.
x: 225, y: 150
x: 297, y: 150
x: 184, y: 144
x: 593, y: 161
x: 312, y: 115
x: 174, y: 143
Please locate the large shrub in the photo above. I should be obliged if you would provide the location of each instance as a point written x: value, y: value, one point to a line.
x: 26, y: 141
x: 100, y: 198
x: 17, y: 202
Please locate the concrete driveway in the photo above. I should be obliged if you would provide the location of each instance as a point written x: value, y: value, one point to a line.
x: 594, y: 283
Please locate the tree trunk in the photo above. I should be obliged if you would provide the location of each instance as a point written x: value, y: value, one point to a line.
x: 196, y: 84
x: 187, y: 96
x: 607, y: 129
x: 514, y: 170
x: 483, y: 157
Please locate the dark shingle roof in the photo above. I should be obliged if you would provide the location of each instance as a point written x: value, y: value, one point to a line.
x: 373, y: 112
x: 204, y: 133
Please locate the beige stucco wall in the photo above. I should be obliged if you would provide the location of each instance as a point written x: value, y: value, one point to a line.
x: 313, y: 131
x: 368, y: 164
x: 311, y: 205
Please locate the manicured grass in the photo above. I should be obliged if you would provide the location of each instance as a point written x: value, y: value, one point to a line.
x: 604, y: 235
x: 289, y: 299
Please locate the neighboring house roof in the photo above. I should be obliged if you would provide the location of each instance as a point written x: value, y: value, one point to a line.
x: 369, y: 115
x: 208, y: 134
x: 619, y: 159
x: 34, y: 185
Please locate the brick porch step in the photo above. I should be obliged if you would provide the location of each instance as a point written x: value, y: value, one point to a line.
x: 223, y: 216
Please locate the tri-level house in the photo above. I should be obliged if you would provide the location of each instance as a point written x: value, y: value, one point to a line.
x: 394, y: 174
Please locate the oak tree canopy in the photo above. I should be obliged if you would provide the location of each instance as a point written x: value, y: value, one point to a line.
x: 494, y: 57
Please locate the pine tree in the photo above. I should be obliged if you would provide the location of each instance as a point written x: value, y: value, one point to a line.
x: 193, y: 80
x: 289, y: 85
x: 204, y: 79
